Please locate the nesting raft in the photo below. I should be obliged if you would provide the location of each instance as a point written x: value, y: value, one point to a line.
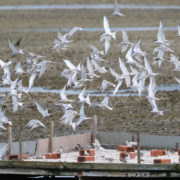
x: 88, y: 169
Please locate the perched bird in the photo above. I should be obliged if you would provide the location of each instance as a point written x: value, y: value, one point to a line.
x: 131, y: 143
x: 97, y: 145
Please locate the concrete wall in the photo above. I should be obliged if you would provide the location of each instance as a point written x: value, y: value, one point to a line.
x: 146, y: 140
x: 67, y: 142
x: 41, y: 146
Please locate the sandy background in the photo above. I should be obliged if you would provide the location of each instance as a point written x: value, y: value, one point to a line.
x: 129, y: 113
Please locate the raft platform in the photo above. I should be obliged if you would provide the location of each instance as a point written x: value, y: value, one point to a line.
x: 83, y: 170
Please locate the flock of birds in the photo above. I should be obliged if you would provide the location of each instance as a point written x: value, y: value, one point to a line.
x: 135, y: 71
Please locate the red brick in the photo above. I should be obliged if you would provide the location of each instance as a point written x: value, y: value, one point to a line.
x: 132, y: 155
x: 123, y: 155
x: 84, y: 152
x: 13, y: 156
x: 162, y: 161
x: 85, y: 158
x: 26, y: 156
x: 53, y: 156
x: 158, y: 152
x: 126, y: 148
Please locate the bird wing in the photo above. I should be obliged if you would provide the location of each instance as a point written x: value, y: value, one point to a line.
x: 15, y: 103
x: 177, y: 79
x: 81, y: 95
x: 89, y: 66
x: 117, y: 87
x: 40, y: 108
x: 103, y: 85
x: 12, y: 47
x: 107, y: 44
x: 43, y: 66
x: 2, y: 63
x: 73, y: 30
x: 31, y: 80
x: 114, y: 73
x: 106, y: 25
x: 62, y: 93
x: 124, y: 35
x: 69, y: 64
x: 147, y: 65
x: 116, y: 6
x: 83, y: 73
x: 178, y: 29
x: 125, y: 72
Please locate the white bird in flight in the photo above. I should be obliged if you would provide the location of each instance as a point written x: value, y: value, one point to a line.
x: 82, y: 116
x: 117, y: 9
x: 44, y: 112
x: 14, y: 50
x: 34, y: 123
x: 107, y: 35
x: 63, y: 96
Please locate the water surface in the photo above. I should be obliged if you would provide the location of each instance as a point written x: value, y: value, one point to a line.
x: 95, y: 29
x: 121, y: 92
x: 88, y: 6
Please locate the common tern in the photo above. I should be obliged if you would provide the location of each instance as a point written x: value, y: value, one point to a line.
x: 117, y: 9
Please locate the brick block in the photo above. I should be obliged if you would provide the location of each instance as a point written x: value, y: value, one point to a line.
x: 26, y: 156
x: 158, y: 152
x: 132, y: 155
x: 87, y: 152
x: 13, y: 156
x: 85, y: 158
x: 123, y: 155
x: 162, y: 161
x: 126, y: 148
x: 53, y: 155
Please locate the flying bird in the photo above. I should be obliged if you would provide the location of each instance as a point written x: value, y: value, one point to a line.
x: 34, y: 123
x: 117, y: 9
x: 13, y: 48
x: 44, y: 112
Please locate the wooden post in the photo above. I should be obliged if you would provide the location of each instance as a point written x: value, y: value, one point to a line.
x: 138, y: 148
x: 177, y: 147
x: 51, y: 137
x: 132, y: 138
x: 94, y: 129
x: 10, y: 138
x: 20, y: 142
